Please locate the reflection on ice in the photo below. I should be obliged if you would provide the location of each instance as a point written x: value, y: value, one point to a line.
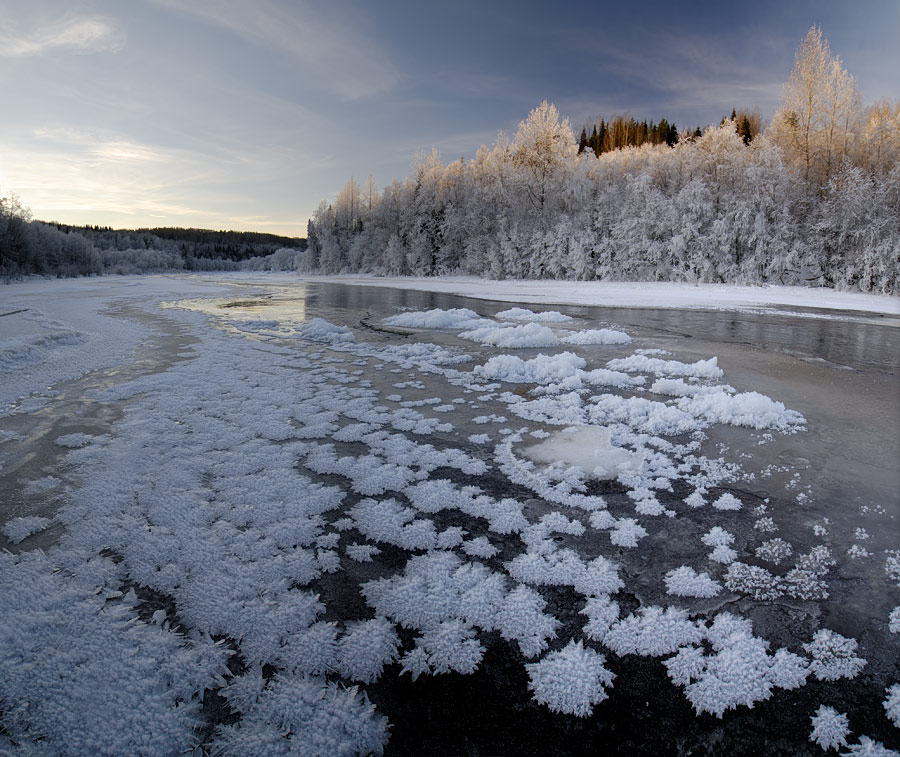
x: 277, y: 308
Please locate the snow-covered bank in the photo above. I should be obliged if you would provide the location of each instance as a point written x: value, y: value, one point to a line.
x: 633, y: 294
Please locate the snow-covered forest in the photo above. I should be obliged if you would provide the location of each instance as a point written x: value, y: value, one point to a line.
x: 813, y: 200
x: 35, y: 247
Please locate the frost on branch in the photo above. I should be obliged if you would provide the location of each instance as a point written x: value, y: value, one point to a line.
x: 571, y: 680
x: 834, y: 656
x: 830, y: 728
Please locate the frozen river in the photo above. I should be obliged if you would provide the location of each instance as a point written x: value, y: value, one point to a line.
x: 237, y: 500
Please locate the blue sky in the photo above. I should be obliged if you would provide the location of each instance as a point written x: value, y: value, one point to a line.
x: 244, y: 114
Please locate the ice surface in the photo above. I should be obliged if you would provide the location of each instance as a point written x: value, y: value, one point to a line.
x: 588, y: 448
x: 249, y: 484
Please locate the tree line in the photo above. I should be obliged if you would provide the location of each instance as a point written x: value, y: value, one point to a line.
x: 813, y: 199
x: 35, y: 247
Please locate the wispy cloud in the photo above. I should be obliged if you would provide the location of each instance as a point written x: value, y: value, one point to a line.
x: 333, y: 51
x: 73, y: 34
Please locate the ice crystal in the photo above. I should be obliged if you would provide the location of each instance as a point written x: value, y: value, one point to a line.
x: 717, y: 537
x: 479, y: 547
x: 752, y: 580
x: 298, y: 714
x: 602, y: 612
x: 366, y: 648
x: 833, y: 656
x: 686, y: 582
x: 723, y: 554
x: 626, y: 532
x: 18, y: 529
x: 894, y: 620
x: 362, y: 552
x: 774, y: 550
x: 571, y: 680
x: 869, y: 748
x: 741, y: 672
x: 521, y: 619
x: 652, y: 632
x: 830, y: 728
x: 727, y: 502
x: 892, y: 703
x: 892, y: 566
x: 766, y: 525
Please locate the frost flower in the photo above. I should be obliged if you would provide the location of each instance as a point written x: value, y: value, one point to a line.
x: 833, y: 656
x: 686, y: 582
x: 892, y: 703
x: 830, y: 728
x: 571, y: 680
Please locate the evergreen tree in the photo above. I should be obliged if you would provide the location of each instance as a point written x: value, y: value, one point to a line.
x: 744, y: 130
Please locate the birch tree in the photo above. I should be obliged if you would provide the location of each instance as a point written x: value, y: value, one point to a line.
x: 820, y: 109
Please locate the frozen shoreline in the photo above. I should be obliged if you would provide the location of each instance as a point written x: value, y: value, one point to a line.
x: 667, y: 295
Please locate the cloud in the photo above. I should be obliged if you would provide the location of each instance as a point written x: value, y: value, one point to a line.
x: 73, y: 34
x: 334, y: 52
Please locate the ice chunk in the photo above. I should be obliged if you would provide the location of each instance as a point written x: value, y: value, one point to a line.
x: 706, y: 369
x: 528, y: 335
x: 521, y: 314
x: 542, y: 369
x: 455, y: 318
x: 596, y: 336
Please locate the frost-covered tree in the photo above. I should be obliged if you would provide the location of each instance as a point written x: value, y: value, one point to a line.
x: 820, y: 110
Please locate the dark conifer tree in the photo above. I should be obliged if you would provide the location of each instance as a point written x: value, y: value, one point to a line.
x: 744, y: 130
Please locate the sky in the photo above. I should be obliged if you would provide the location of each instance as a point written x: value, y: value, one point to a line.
x: 246, y: 114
